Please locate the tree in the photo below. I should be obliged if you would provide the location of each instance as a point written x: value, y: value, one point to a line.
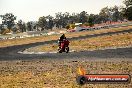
x: 121, y: 13
x: 91, y: 20
x: 104, y: 14
x: 8, y: 20
x: 116, y: 13
x: 83, y: 17
x: 97, y: 19
x: 128, y: 9
x: 22, y: 26
x: 59, y: 19
x: 128, y: 3
x: 74, y: 18
x: 0, y: 27
x: 49, y: 22
x: 29, y: 26
x: 110, y: 14
x: 42, y: 22
x: 128, y: 13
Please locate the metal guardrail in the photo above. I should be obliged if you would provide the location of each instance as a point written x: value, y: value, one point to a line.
x: 21, y: 35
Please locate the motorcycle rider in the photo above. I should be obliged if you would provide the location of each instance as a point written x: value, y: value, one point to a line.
x: 61, y: 39
x: 63, y: 44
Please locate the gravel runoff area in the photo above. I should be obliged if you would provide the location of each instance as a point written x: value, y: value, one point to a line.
x: 60, y: 70
x: 59, y: 73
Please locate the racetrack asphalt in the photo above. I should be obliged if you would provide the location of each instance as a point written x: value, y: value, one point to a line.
x: 11, y: 52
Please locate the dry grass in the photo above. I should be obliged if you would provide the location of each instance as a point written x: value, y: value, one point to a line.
x: 5, y: 43
x: 83, y: 33
x: 116, y: 40
x: 58, y: 73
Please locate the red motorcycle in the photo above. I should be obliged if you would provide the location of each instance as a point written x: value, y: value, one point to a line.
x: 64, y: 46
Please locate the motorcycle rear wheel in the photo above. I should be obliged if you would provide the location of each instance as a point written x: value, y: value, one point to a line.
x: 60, y: 50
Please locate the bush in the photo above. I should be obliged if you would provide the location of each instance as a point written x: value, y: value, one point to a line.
x: 67, y: 26
x: 4, y: 31
x: 18, y: 31
x: 86, y: 24
x: 91, y: 24
x: 72, y: 26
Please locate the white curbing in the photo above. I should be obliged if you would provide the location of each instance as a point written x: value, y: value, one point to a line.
x: 26, y: 52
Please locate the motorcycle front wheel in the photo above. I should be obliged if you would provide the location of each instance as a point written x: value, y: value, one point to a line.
x: 59, y: 50
x: 67, y: 49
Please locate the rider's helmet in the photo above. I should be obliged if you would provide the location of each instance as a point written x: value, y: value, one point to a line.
x: 63, y: 35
